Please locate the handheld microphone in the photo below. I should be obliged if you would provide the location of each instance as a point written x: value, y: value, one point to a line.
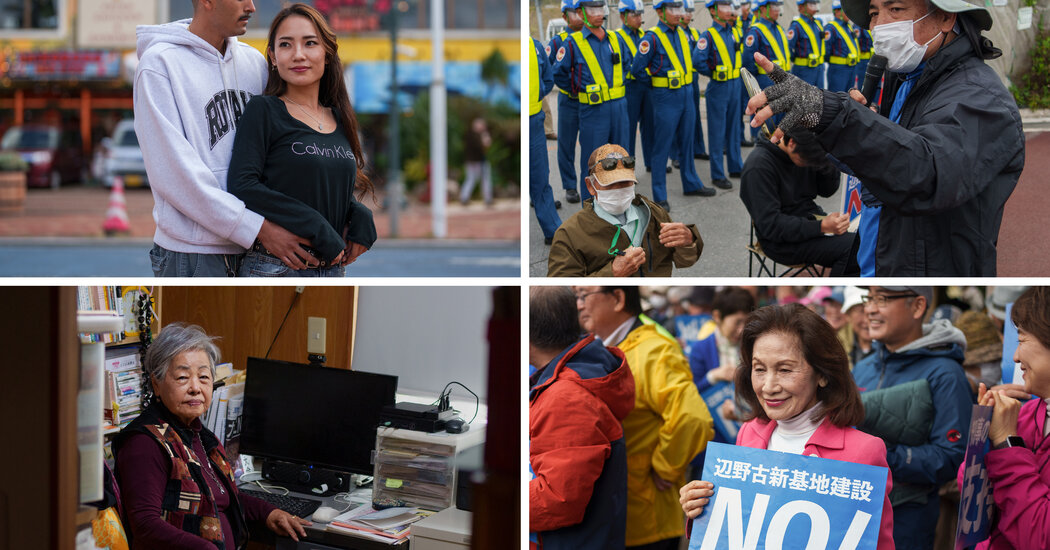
x: 872, y: 77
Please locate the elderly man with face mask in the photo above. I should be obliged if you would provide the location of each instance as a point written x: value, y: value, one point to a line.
x: 941, y: 158
x: 620, y: 233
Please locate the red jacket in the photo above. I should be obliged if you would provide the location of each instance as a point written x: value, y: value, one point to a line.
x: 831, y: 441
x: 1020, y: 480
x: 578, y: 495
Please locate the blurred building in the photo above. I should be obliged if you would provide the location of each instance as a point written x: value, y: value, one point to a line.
x: 71, y: 63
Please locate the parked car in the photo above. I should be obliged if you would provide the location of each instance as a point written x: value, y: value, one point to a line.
x: 122, y: 156
x: 54, y: 156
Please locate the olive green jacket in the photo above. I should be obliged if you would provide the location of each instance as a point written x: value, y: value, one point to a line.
x: 581, y: 245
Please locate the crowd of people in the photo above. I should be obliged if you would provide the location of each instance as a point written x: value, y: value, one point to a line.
x: 937, y: 161
x: 618, y: 421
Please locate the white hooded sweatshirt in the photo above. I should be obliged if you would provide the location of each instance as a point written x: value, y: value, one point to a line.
x: 188, y: 98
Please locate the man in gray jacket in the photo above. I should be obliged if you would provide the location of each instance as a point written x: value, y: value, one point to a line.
x: 905, y: 350
x: 943, y: 155
x: 192, y: 82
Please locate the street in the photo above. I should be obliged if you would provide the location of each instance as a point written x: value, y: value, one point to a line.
x: 724, y: 222
x: 49, y: 257
x: 59, y: 234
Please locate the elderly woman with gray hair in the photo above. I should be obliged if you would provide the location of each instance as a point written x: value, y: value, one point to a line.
x: 177, y: 487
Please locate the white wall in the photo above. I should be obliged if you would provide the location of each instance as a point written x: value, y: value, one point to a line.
x: 427, y: 336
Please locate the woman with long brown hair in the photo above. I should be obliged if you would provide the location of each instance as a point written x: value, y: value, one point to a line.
x: 297, y: 157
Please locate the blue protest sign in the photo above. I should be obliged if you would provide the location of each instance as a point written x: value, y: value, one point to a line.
x: 975, y: 498
x: 1011, y: 372
x: 851, y: 203
x: 713, y: 397
x: 687, y: 328
x: 767, y: 499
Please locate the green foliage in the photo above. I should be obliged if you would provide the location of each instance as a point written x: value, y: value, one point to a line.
x: 1034, y: 89
x: 504, y: 127
x: 494, y: 69
x: 12, y: 162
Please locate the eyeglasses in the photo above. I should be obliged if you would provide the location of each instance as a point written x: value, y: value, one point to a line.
x: 583, y: 297
x: 880, y: 300
x: 628, y: 13
x: 609, y: 163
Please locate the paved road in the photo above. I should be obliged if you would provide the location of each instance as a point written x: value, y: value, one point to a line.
x: 128, y: 258
x: 724, y: 222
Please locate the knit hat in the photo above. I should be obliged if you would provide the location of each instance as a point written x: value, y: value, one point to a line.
x: 983, y: 341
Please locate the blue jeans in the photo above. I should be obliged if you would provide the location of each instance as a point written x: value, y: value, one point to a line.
x: 167, y: 263
x: 262, y: 265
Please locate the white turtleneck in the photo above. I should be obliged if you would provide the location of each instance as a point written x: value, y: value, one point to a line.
x: 791, y: 435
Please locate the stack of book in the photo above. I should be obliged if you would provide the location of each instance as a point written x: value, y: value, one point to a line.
x: 123, y: 383
x: 100, y: 298
x: 391, y: 525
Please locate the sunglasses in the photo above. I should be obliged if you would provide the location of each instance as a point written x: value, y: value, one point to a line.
x: 609, y: 163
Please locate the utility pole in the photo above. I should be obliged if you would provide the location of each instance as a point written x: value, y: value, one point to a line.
x: 394, y: 153
x: 438, y: 118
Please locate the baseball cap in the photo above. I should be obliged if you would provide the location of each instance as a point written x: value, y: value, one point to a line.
x: 857, y: 11
x: 924, y: 291
x: 617, y: 174
x: 853, y: 296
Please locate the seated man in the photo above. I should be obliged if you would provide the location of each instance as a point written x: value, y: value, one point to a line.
x: 619, y: 233
x: 778, y: 186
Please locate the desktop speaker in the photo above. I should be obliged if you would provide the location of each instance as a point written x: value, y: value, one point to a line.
x: 305, y: 479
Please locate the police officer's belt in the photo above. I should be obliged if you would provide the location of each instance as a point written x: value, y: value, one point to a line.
x: 805, y: 62
x: 600, y: 96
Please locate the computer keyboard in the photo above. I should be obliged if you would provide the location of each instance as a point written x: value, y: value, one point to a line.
x: 297, y: 506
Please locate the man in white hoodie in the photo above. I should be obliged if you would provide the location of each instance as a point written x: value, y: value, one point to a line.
x: 192, y: 83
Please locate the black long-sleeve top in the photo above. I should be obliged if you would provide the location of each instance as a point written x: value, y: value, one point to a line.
x: 298, y: 178
x: 779, y: 195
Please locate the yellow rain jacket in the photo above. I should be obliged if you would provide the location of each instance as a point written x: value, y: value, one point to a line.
x: 668, y: 426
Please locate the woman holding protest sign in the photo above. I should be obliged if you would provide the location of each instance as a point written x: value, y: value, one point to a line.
x: 1017, y: 462
x: 795, y: 376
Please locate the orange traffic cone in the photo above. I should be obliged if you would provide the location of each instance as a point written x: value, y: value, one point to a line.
x: 117, y: 213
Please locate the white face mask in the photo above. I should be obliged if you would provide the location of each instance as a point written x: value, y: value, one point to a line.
x: 614, y: 201
x: 896, y: 41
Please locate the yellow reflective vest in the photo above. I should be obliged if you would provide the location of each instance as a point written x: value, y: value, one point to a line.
x: 729, y: 68
x: 600, y: 91
x: 535, y: 101
x: 851, y: 43
x: 780, y: 50
x: 686, y: 74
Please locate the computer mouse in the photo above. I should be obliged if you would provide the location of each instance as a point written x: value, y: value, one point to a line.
x: 324, y: 514
x: 456, y: 426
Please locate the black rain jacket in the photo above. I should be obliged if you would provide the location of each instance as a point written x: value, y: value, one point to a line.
x: 944, y: 173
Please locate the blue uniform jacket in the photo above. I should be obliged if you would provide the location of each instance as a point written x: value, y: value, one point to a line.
x: 652, y: 56
x: 833, y: 43
x: 755, y: 41
x: 863, y: 38
x: 555, y: 43
x: 546, y: 80
x: 703, y: 357
x: 705, y: 53
x: 940, y: 362
x: 798, y: 40
x: 570, y: 70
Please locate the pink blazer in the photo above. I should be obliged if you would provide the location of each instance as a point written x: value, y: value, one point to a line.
x: 830, y: 441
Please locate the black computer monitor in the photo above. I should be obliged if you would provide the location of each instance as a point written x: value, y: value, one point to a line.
x: 313, y: 415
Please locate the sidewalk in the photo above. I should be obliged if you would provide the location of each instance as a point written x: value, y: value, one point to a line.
x: 78, y: 212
